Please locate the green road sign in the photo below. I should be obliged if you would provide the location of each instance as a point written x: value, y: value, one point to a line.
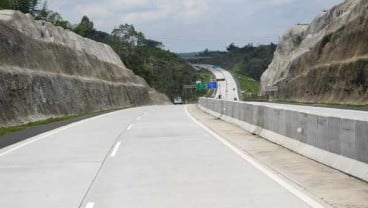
x: 200, y: 86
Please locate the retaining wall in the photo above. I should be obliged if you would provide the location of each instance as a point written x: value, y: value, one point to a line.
x: 339, y: 142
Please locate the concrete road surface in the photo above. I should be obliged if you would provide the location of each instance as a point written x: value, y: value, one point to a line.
x: 147, y: 157
x: 228, y: 88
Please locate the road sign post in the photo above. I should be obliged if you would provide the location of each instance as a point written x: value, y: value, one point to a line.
x: 271, y: 91
x: 220, y: 80
x: 190, y: 88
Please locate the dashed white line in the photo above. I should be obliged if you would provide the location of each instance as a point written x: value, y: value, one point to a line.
x: 115, y: 150
x: 90, y: 205
x: 139, y: 118
x: 129, y: 127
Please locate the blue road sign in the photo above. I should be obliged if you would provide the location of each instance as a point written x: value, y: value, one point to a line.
x: 212, y: 85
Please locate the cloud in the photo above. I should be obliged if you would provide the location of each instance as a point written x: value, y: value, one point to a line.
x: 278, y: 2
x: 182, y: 11
x: 94, y: 9
x: 180, y: 24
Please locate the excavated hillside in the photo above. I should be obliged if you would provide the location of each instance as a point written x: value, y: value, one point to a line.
x: 47, y: 71
x: 326, y: 61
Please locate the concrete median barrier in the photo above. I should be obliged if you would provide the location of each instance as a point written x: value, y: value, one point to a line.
x: 338, y: 140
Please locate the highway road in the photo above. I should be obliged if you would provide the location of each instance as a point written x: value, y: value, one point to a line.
x: 156, y: 157
x: 228, y: 89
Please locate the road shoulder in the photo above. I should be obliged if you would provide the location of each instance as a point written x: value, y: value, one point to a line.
x: 29, y: 132
x: 331, y: 186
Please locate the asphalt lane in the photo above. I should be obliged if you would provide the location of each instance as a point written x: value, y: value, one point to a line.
x: 141, y: 157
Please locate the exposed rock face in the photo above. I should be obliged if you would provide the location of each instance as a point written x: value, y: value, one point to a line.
x: 326, y: 61
x: 47, y: 71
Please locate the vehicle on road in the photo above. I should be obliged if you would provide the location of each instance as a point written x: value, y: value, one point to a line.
x: 178, y: 100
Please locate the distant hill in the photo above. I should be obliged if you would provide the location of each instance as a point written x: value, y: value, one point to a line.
x: 190, y: 55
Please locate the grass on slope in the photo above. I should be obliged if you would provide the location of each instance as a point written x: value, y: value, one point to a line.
x: 248, y: 85
x: 8, y: 130
x: 205, y: 76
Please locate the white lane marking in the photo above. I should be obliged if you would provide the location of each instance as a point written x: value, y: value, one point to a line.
x: 44, y: 135
x: 139, y: 118
x: 129, y: 127
x: 36, y: 138
x: 115, y: 150
x: 29, y: 142
x: 90, y: 205
x: 307, y: 199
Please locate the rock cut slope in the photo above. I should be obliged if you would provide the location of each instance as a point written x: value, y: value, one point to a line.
x: 47, y: 71
x: 326, y: 61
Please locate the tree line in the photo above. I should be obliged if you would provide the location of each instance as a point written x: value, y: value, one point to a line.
x: 248, y: 60
x: 25, y: 6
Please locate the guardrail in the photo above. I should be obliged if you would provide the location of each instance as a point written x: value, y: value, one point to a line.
x: 337, y: 142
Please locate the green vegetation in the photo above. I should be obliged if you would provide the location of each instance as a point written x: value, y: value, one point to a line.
x: 246, y: 63
x: 325, y: 104
x: 25, y: 6
x: 163, y: 70
x: 248, y: 85
x: 52, y: 17
x: 205, y: 76
x: 249, y: 60
x: 4, y: 131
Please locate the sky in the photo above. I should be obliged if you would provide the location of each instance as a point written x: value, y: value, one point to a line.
x: 194, y: 25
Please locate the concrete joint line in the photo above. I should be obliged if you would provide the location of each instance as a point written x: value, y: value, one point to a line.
x: 113, y: 150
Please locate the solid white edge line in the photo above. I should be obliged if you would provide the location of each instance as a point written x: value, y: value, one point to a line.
x: 115, y: 150
x: 130, y: 126
x: 11, y: 148
x: 307, y: 199
x: 36, y: 138
x: 90, y: 205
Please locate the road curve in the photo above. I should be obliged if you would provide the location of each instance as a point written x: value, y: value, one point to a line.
x: 141, y: 157
x: 228, y: 89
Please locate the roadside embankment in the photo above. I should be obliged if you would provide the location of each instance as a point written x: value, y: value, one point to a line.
x: 46, y: 71
x: 325, y: 61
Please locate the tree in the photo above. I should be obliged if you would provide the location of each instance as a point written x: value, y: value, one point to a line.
x: 56, y: 19
x: 43, y: 13
x: 25, y: 6
x: 126, y: 40
x: 232, y: 47
x: 50, y: 16
x: 33, y: 4
x: 85, y: 27
x: 154, y: 44
x: 5, y: 4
